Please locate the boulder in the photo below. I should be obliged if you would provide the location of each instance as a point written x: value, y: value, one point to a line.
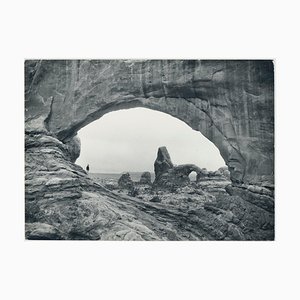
x: 125, y: 181
x: 146, y: 178
x: 224, y: 170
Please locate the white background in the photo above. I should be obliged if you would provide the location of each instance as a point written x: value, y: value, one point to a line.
x: 149, y: 29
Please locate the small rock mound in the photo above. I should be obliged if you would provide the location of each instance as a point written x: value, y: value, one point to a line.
x: 125, y: 181
x: 224, y: 171
x: 146, y: 178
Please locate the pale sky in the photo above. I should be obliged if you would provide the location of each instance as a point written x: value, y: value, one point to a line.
x: 127, y: 140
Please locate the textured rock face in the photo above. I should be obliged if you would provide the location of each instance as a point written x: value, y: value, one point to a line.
x: 125, y: 181
x: 169, y: 176
x: 172, y: 177
x: 163, y: 162
x: 175, y: 177
x: 146, y: 178
x: 213, y: 182
x: 230, y: 102
x: 225, y: 172
x: 73, y: 147
x: 62, y: 202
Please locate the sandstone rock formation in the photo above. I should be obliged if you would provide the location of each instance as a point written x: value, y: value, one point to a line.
x: 175, y: 177
x: 125, y: 181
x: 229, y: 102
x: 163, y: 162
x: 225, y: 172
x: 65, y: 203
x: 213, y: 182
x: 171, y: 177
x: 146, y: 178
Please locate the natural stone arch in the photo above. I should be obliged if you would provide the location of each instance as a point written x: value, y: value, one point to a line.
x: 181, y: 110
x: 229, y: 102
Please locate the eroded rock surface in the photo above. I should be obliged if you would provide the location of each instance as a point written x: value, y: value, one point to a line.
x: 146, y: 178
x: 175, y: 177
x: 63, y: 202
x: 213, y: 182
x: 125, y: 181
x: 169, y: 176
x: 224, y: 171
x: 230, y: 102
x: 163, y: 162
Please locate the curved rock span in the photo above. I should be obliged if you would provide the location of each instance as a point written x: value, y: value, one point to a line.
x: 229, y: 102
x: 169, y: 176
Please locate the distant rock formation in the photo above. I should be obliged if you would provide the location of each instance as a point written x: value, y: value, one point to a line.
x: 169, y: 176
x: 146, y: 178
x: 163, y: 162
x: 125, y: 181
x: 218, y: 175
x: 213, y: 181
x: 224, y: 170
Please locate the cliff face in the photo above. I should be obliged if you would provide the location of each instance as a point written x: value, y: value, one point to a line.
x: 230, y: 102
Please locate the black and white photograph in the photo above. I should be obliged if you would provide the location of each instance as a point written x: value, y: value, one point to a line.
x: 149, y: 150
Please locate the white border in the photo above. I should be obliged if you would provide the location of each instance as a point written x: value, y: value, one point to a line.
x: 156, y: 29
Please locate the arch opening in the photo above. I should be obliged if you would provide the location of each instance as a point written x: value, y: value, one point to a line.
x: 193, y: 176
x: 128, y: 139
x: 197, y: 119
